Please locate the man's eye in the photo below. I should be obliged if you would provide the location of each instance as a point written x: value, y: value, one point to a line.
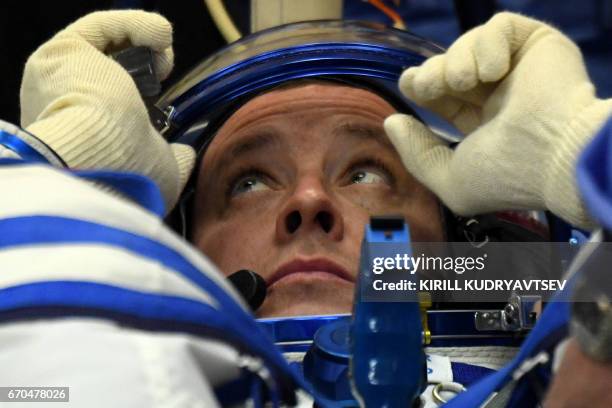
x: 248, y: 184
x: 367, y: 176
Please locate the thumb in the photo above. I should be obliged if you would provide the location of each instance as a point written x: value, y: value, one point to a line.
x: 424, y: 154
x: 113, y: 28
x: 185, y: 158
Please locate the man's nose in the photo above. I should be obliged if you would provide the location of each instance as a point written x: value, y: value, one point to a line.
x: 310, y: 209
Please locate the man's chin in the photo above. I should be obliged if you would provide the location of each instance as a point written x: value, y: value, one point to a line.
x: 304, y: 300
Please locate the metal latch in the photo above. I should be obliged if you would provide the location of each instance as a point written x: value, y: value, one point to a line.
x: 519, y: 314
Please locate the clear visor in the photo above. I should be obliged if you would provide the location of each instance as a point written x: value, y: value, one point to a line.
x: 290, y: 36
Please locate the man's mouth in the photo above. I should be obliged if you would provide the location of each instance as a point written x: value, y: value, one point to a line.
x: 319, y: 266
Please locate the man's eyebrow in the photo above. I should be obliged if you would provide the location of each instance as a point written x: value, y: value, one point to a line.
x: 363, y: 131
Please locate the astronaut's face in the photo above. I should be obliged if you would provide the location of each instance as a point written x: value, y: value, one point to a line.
x: 287, y: 186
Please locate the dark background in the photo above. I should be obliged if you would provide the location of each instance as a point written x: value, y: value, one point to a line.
x: 26, y: 24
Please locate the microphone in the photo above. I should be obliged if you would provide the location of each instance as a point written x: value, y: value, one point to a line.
x: 251, y: 286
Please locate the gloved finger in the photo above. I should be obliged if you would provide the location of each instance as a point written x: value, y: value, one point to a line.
x: 424, y: 154
x: 138, y: 28
x: 185, y: 158
x: 492, y: 50
x: 163, y: 62
x: 461, y: 70
x: 426, y: 82
x: 460, y: 111
x: 498, y: 40
x: 406, y: 82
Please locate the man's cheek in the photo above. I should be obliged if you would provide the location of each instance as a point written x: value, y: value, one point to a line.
x: 366, y: 200
x: 216, y: 251
x: 425, y: 222
x: 378, y: 199
x: 226, y: 253
x: 421, y: 211
x: 238, y: 248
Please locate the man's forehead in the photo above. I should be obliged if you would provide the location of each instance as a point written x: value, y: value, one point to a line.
x: 252, y: 127
x: 313, y: 96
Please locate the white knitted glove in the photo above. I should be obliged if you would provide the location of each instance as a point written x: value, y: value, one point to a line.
x: 519, y: 90
x: 87, y: 108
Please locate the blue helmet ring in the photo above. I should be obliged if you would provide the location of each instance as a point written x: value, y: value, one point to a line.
x: 366, y: 54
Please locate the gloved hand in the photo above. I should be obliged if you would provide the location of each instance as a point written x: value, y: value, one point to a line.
x: 87, y: 108
x: 519, y: 90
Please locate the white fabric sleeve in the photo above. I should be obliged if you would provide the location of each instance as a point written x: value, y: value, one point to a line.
x: 105, y: 362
